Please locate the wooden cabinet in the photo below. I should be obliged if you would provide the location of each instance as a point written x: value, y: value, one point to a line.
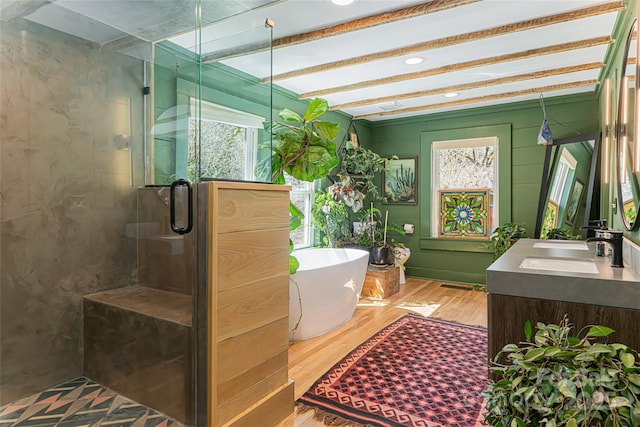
x: 247, y: 248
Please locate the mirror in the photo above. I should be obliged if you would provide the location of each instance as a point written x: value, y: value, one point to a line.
x: 628, y: 155
x: 568, y: 185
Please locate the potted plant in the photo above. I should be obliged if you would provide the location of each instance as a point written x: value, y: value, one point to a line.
x: 559, y: 234
x: 346, y: 191
x: 330, y: 215
x: 375, y: 236
x: 560, y: 380
x: 362, y: 163
x: 303, y: 147
x: 505, y: 236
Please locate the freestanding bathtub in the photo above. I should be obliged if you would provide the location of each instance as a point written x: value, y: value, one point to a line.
x: 325, y: 288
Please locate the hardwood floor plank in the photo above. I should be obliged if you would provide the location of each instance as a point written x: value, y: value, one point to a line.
x: 309, y: 359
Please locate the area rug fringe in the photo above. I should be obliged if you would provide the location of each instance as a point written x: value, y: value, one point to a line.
x: 327, y: 418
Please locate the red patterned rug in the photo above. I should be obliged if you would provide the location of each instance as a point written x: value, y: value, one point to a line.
x: 415, y: 372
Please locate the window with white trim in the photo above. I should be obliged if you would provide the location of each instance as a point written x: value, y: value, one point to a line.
x: 459, y: 166
x: 559, y: 186
x: 302, y: 196
x: 229, y: 141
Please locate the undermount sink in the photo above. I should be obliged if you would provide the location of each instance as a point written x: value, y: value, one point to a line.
x: 560, y: 264
x: 562, y: 244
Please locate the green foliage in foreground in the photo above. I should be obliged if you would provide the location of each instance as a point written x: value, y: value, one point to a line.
x: 561, y: 380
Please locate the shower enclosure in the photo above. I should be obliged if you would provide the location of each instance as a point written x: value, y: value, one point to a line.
x: 136, y: 206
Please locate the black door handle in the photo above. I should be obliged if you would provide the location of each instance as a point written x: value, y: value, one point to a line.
x: 172, y: 197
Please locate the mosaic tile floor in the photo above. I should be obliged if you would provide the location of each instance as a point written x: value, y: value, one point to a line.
x: 81, y: 403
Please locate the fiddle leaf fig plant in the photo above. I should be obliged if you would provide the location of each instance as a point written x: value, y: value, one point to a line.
x: 303, y: 147
x: 560, y: 380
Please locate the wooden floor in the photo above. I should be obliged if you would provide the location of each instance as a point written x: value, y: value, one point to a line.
x: 309, y: 359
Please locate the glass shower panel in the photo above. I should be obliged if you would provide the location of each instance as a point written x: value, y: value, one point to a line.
x: 215, y: 129
x: 74, y: 86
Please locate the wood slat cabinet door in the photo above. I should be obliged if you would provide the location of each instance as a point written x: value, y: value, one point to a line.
x: 248, y: 304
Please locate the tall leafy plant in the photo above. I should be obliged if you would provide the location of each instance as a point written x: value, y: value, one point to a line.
x: 304, y: 147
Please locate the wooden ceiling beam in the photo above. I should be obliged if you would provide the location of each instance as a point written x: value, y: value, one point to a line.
x: 459, y: 39
x: 371, y: 21
x: 472, y: 85
x: 548, y: 50
x: 550, y: 88
x: 338, y: 29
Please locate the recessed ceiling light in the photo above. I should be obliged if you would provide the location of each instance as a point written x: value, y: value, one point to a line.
x: 390, y: 105
x: 342, y: 2
x: 414, y: 60
x: 451, y: 95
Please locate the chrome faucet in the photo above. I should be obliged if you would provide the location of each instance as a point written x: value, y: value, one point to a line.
x: 614, y: 238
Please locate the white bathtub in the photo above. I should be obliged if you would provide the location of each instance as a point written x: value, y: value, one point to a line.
x: 328, y: 284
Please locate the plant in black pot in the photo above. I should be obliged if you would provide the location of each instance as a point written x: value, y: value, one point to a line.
x: 374, y: 236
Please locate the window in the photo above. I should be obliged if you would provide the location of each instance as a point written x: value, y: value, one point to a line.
x: 559, y: 187
x: 464, y: 188
x: 302, y: 196
x: 229, y: 143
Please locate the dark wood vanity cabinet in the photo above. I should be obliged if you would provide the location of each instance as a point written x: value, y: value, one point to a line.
x: 508, y: 314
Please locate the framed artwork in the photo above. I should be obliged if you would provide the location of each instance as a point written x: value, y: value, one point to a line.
x: 353, y: 137
x: 464, y: 214
x: 400, y: 181
x: 574, y: 202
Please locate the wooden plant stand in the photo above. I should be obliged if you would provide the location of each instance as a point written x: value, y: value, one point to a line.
x: 381, y: 283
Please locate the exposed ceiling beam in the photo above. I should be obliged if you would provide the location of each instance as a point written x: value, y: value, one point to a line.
x: 458, y: 39
x: 551, y: 88
x: 371, y: 21
x: 548, y: 50
x: 346, y: 27
x: 472, y: 85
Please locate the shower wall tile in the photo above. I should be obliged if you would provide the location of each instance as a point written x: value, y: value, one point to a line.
x: 66, y: 195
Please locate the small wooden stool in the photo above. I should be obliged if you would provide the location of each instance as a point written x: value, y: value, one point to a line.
x: 381, y: 282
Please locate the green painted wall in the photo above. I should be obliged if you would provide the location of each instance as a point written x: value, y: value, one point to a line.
x: 568, y: 116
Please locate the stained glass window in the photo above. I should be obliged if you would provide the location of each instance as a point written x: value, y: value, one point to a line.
x: 465, y: 188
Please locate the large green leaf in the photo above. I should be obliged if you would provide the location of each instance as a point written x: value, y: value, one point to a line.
x: 599, y: 331
x: 289, y: 116
x: 628, y: 360
x: 327, y: 130
x: 293, y: 264
x: 528, y: 331
x: 316, y: 108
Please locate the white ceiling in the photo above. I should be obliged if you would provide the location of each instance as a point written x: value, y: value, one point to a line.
x: 469, y: 42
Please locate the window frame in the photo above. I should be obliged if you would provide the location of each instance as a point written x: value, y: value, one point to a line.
x: 202, y: 111
x: 464, y: 143
x: 307, y: 224
x: 503, y: 133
